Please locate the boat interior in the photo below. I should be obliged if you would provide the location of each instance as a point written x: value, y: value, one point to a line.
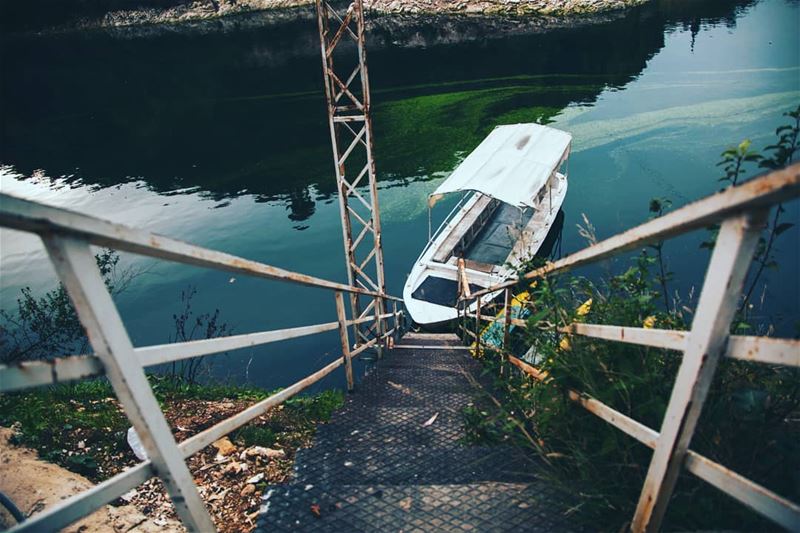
x: 513, y: 183
x: 485, y: 236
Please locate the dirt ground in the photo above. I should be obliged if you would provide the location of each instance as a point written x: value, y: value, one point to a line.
x: 33, y: 485
x: 230, y: 474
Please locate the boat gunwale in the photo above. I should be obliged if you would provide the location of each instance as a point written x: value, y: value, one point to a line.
x: 423, y: 268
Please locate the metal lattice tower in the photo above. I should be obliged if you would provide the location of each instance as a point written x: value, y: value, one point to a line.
x: 348, y: 102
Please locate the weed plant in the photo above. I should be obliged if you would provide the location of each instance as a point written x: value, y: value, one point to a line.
x: 750, y: 422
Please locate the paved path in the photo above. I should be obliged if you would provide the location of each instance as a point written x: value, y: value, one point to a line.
x: 377, y: 466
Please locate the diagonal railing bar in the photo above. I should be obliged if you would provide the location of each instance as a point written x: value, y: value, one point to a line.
x: 350, y: 79
x: 353, y: 144
x: 733, y: 252
x: 352, y: 190
x: 26, y: 215
x: 355, y: 134
x: 67, y: 236
x: 354, y: 213
x: 367, y: 259
x: 359, y: 105
x: 76, y: 507
x: 760, y: 192
x: 365, y: 277
x: 332, y: 12
x: 76, y: 267
x: 345, y: 26
x: 70, y: 368
x: 364, y: 232
x: 760, y: 499
x: 742, y: 211
x: 354, y: 183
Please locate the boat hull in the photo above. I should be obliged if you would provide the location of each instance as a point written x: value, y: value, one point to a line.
x: 439, y: 311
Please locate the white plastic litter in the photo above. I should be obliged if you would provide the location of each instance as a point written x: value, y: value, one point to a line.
x: 136, y: 445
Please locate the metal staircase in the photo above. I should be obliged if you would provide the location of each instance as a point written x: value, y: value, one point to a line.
x: 396, y: 456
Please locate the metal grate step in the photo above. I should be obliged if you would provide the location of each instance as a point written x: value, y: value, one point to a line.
x: 478, y: 507
x: 411, y: 465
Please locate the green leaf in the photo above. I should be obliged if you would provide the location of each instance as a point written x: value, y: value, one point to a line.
x: 782, y: 227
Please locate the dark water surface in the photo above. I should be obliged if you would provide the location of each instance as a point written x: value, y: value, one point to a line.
x: 219, y: 138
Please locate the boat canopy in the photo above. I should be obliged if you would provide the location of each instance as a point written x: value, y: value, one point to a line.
x: 512, y: 164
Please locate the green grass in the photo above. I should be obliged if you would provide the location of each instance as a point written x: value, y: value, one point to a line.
x: 53, y: 420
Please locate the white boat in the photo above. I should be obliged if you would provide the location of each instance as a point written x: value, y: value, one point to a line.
x: 513, y: 185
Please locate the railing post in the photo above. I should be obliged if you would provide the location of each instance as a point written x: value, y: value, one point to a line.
x: 395, y: 321
x: 722, y: 288
x: 506, y: 329
x: 76, y: 267
x: 342, y: 317
x: 477, y: 326
x: 379, y: 329
x: 402, y: 318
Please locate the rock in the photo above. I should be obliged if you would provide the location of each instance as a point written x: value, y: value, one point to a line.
x: 248, y: 490
x: 255, y: 479
x: 224, y: 446
x: 260, y: 451
x: 233, y: 468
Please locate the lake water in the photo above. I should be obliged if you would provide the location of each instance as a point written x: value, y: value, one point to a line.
x: 217, y: 135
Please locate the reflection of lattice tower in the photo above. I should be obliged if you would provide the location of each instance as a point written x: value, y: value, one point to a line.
x: 342, y: 38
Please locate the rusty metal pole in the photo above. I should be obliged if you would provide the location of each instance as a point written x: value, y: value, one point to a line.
x: 478, y: 326
x: 396, y: 322
x: 341, y: 315
x: 348, y: 105
x: 506, y: 330
x: 380, y: 331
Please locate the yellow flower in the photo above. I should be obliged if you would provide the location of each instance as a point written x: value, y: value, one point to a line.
x: 564, y: 344
x: 649, y: 322
x: 744, y: 145
x: 584, y: 309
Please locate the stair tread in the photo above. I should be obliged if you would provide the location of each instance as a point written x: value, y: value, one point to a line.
x: 493, y: 506
x: 397, y: 457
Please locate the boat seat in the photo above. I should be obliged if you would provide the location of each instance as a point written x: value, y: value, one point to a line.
x: 461, y: 236
x: 478, y: 266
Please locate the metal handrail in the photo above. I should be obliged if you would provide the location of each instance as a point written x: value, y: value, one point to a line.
x: 27, y: 215
x: 67, y: 236
x: 760, y: 192
x: 434, y: 235
x: 742, y: 210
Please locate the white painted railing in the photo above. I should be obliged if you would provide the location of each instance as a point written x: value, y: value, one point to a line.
x: 67, y: 236
x: 742, y: 212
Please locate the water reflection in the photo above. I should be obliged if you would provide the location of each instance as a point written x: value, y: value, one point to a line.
x: 233, y: 113
x: 219, y: 138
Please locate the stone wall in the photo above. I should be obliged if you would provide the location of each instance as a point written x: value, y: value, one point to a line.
x: 59, y: 15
